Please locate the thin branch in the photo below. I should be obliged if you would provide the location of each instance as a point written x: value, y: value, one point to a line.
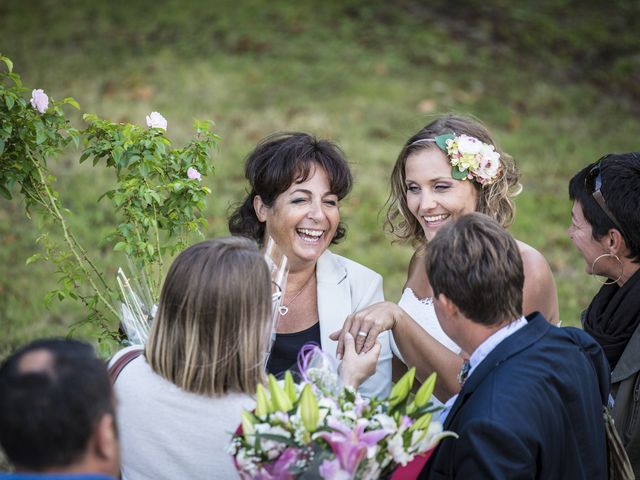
x: 81, y: 258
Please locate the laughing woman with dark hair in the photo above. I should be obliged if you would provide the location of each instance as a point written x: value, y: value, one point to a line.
x: 297, y: 183
x: 605, y: 228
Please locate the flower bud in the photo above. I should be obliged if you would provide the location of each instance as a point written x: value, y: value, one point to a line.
x: 279, y: 398
x: 247, y: 423
x: 422, y: 423
x: 289, y: 386
x: 309, y: 411
x: 263, y: 404
x: 402, y: 388
x: 425, y: 391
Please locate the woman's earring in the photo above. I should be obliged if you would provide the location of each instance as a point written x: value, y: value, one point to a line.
x: 608, y: 282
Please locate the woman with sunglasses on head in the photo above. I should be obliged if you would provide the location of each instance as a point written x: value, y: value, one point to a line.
x: 450, y: 167
x: 605, y: 228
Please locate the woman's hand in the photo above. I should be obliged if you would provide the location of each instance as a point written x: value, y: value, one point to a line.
x: 366, y: 325
x: 355, y: 368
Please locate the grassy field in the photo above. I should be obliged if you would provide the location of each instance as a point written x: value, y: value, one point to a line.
x: 366, y: 76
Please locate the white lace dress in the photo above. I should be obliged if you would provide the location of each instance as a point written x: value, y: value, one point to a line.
x: 422, y: 311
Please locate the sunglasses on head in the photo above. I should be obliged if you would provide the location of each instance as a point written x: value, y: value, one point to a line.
x: 593, y: 185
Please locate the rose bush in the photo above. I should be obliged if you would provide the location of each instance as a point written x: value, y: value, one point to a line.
x: 158, y: 194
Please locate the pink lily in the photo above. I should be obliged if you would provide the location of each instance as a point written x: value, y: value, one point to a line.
x: 350, y: 445
x: 280, y: 469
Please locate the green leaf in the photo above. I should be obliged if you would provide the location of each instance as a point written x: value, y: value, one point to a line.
x: 8, y: 63
x: 458, y: 174
x: 41, y: 136
x: 48, y: 298
x: 119, y: 246
x: 10, y: 101
x: 441, y: 140
x: 1, y: 146
x: 33, y: 258
x: 5, y: 192
x: 72, y: 102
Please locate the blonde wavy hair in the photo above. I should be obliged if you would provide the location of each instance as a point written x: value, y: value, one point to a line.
x: 494, y: 200
x: 212, y: 328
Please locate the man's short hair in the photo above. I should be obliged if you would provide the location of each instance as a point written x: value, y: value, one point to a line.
x: 48, y: 414
x: 475, y: 263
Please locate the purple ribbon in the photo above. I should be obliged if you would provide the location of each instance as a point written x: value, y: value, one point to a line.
x: 306, y: 355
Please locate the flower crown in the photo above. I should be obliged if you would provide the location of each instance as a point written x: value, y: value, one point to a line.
x: 470, y: 158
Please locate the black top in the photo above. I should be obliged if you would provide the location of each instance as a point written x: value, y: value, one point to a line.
x: 284, y: 353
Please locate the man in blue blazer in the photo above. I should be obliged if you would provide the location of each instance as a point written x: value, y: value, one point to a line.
x: 532, y: 394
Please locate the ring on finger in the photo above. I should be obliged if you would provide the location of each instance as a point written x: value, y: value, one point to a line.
x: 362, y: 334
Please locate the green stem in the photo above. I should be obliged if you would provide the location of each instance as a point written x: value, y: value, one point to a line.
x: 81, y: 257
x: 160, y: 263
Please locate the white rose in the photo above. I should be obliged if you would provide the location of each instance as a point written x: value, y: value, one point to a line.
x: 39, y: 100
x: 469, y: 145
x: 155, y: 120
x: 489, y: 163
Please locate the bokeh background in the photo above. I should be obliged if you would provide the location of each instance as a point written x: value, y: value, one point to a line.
x: 558, y: 83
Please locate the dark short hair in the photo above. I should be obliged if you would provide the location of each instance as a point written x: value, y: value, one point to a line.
x: 621, y: 190
x: 47, y: 417
x: 475, y: 263
x: 275, y: 164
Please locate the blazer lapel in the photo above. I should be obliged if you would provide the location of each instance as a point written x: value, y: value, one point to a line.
x: 510, y: 346
x: 334, y: 298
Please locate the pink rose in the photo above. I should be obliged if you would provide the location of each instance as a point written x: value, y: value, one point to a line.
x: 39, y: 100
x: 194, y: 174
x: 155, y: 120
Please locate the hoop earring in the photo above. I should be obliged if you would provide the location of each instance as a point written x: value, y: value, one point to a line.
x: 608, y: 282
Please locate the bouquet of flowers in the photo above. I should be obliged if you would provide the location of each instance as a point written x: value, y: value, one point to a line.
x: 319, y: 428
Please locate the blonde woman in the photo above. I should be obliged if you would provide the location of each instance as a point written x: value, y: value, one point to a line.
x: 179, y: 403
x: 434, y: 182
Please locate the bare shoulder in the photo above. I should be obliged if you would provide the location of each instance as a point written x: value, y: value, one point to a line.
x: 539, y: 286
x: 533, y: 261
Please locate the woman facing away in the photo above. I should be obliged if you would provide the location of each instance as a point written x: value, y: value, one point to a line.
x: 180, y: 402
x: 450, y: 167
x: 605, y: 228
x: 296, y: 185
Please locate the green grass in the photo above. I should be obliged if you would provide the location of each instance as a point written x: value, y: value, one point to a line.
x: 366, y: 76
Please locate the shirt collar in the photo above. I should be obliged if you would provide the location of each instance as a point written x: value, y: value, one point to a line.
x: 486, y: 347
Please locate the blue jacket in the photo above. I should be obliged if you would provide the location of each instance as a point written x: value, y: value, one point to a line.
x: 531, y: 409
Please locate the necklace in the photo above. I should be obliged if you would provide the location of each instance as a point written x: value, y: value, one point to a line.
x: 284, y: 309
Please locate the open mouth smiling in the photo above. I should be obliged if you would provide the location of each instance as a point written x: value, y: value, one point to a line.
x: 435, y: 218
x: 309, y: 235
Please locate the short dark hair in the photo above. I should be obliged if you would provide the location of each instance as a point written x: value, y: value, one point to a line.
x: 475, y: 263
x: 620, y: 188
x: 275, y: 164
x: 48, y: 416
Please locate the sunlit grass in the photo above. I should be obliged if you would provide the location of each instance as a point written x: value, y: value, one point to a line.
x: 366, y: 84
